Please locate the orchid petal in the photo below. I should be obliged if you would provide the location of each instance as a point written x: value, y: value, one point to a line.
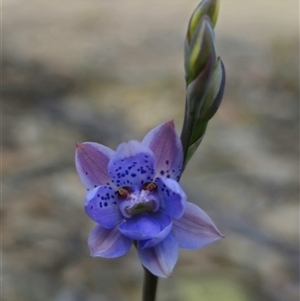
x: 167, y: 148
x: 195, y: 229
x: 165, y: 223
x: 172, y: 197
x: 140, y: 227
x: 102, y: 207
x: 132, y: 165
x: 161, y: 259
x: 109, y: 243
x: 91, y: 161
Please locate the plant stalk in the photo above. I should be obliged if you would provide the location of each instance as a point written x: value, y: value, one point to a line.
x: 149, y: 286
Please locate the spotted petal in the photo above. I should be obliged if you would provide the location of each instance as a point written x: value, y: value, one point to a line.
x: 167, y: 148
x: 91, y: 161
x: 101, y: 206
x: 172, y: 197
x: 195, y: 229
x: 132, y: 165
x: 161, y: 259
x: 109, y: 243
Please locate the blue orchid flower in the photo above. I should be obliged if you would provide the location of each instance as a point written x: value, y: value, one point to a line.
x: 134, y: 196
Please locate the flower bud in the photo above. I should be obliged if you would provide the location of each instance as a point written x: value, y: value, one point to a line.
x: 209, y: 106
x: 209, y: 8
x: 199, y: 50
x: 198, y: 88
x: 215, y: 93
x: 204, y: 74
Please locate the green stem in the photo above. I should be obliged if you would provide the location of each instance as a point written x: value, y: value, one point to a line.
x: 149, y: 286
x: 186, y: 134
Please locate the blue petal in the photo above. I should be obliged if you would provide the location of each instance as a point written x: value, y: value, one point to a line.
x: 167, y: 148
x: 91, y: 161
x: 140, y: 227
x: 101, y: 206
x: 109, y: 243
x: 132, y: 165
x: 161, y: 259
x: 172, y: 197
x: 165, y: 223
x: 195, y: 229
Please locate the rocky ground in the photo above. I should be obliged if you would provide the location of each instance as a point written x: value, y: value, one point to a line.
x: 107, y: 71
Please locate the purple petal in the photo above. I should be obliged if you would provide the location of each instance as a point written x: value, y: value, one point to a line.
x: 91, y: 161
x: 161, y: 259
x: 140, y: 227
x: 109, y: 243
x: 132, y: 165
x: 165, y: 223
x: 172, y: 197
x: 101, y: 206
x: 167, y: 148
x: 195, y: 229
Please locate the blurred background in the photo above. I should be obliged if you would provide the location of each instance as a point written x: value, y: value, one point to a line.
x: 107, y: 71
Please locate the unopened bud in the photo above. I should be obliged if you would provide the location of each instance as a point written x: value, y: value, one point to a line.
x: 204, y: 74
x: 198, y: 88
x: 209, y: 8
x: 200, y: 49
x: 215, y: 93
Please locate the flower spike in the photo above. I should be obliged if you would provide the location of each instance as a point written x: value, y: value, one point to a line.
x: 204, y: 75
